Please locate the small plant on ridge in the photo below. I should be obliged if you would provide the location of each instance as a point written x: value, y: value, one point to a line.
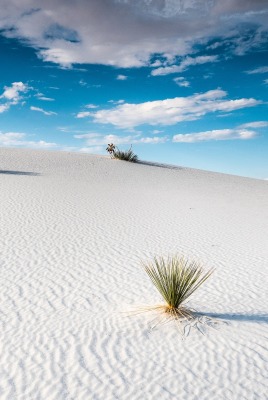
x: 127, y: 155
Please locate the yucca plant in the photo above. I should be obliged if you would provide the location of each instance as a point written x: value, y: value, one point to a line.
x: 127, y: 155
x: 176, y: 279
x: 110, y: 148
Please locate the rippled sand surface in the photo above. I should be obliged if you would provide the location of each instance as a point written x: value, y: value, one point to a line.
x: 74, y: 229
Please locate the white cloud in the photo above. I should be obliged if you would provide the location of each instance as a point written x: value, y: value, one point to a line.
x: 126, y: 33
x: 82, y: 82
x: 170, y: 111
x: 94, y: 139
x: 116, y: 101
x: 153, y: 140
x: 92, y: 149
x: 208, y: 75
x: 18, y: 139
x: 4, y: 107
x: 84, y: 114
x: 11, y: 138
x: 41, y: 144
x: 157, y: 63
x: 185, y: 64
x: 69, y: 148
x: 121, y: 77
x: 249, y: 41
x: 45, y: 98
x: 255, y: 124
x: 180, y: 81
x: 88, y: 135
x: 224, y: 115
x: 42, y: 111
x: 12, y: 95
x: 219, y: 134
x: 183, y: 83
x: 91, y: 106
x: 70, y: 129
x: 260, y: 70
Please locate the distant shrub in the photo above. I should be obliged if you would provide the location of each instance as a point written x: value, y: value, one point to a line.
x: 110, y: 148
x: 127, y: 155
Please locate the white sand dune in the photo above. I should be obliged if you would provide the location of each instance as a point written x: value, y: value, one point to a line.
x: 73, y: 231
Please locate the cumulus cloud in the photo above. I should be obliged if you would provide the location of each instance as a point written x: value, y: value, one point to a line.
x: 126, y: 33
x: 185, y: 64
x: 170, y: 111
x: 218, y: 134
x: 42, y: 111
x: 18, y: 139
x: 12, y: 95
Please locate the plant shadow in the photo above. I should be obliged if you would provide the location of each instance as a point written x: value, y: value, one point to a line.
x: 8, y: 172
x: 159, y: 165
x: 262, y: 318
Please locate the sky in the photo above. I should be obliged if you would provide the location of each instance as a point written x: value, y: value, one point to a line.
x: 184, y: 82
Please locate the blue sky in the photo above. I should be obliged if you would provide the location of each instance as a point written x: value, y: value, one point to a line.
x: 185, y: 82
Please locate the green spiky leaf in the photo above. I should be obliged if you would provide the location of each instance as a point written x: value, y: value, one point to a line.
x: 176, y: 279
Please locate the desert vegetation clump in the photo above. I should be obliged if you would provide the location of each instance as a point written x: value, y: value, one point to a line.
x: 126, y: 155
x: 176, y: 279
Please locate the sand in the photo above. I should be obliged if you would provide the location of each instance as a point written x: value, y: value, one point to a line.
x: 74, y: 229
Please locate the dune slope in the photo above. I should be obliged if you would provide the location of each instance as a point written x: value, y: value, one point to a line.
x: 74, y: 229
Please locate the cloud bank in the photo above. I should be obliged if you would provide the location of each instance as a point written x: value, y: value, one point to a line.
x: 169, y: 111
x: 18, y: 139
x: 126, y: 33
x: 218, y: 134
x: 96, y: 140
